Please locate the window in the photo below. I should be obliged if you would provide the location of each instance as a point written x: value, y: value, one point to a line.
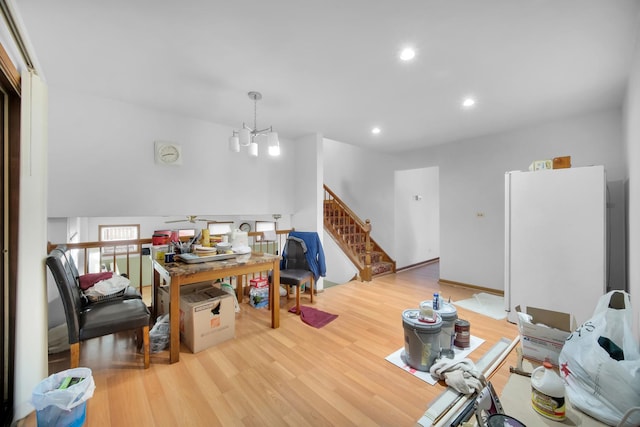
x: 110, y: 233
x: 264, y: 226
x: 218, y: 228
x: 187, y: 232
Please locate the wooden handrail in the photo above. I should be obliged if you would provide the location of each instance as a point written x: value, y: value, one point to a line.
x: 256, y: 241
x: 344, y: 207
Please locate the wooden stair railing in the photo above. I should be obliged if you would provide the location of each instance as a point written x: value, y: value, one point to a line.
x: 353, y: 236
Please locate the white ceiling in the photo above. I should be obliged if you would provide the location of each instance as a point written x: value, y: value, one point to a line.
x: 331, y: 66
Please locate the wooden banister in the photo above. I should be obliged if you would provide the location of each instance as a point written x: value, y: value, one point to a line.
x: 353, y: 235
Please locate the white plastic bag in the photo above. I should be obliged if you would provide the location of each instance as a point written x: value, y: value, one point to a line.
x: 104, y: 289
x: 47, y: 393
x: 159, y: 335
x: 600, y: 362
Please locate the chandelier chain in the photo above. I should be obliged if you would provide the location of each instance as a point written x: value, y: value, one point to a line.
x: 255, y: 114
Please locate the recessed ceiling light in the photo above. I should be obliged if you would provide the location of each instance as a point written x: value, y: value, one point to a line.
x: 468, y: 102
x: 407, y: 54
x: 376, y: 130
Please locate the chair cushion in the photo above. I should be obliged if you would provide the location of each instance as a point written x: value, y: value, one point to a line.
x: 107, y: 318
x: 294, y: 277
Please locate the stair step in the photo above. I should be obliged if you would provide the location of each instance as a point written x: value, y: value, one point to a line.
x: 381, y: 268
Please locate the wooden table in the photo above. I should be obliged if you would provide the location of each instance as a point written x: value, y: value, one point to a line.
x: 177, y: 274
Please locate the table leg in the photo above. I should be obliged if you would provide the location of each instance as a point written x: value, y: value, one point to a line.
x: 274, y: 296
x: 154, y: 294
x: 174, y: 322
x: 240, y: 287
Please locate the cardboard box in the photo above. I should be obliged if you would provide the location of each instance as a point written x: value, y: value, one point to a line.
x: 259, y: 282
x: 544, y: 342
x: 163, y: 295
x: 207, y: 318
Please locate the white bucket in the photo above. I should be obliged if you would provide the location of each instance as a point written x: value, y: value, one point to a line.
x: 449, y: 314
x: 421, y: 340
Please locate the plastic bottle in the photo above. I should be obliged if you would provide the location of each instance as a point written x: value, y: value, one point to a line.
x: 547, y: 392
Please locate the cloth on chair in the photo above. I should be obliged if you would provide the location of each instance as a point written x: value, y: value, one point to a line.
x: 314, y: 253
x: 460, y: 375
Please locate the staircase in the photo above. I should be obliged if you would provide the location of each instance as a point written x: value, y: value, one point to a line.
x: 353, y: 236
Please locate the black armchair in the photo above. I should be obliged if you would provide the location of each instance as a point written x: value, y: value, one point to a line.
x: 95, y: 319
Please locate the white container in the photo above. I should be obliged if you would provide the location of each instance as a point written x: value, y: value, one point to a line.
x: 238, y: 238
x: 449, y: 314
x: 547, y: 392
x: 421, y: 340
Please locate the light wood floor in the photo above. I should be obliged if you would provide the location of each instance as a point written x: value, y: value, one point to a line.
x: 295, y: 375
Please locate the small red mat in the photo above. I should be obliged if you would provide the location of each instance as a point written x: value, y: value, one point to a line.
x: 314, y: 317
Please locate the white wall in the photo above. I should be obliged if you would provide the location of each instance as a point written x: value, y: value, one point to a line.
x: 340, y: 269
x: 632, y: 154
x: 417, y: 216
x: 31, y: 299
x: 307, y: 176
x: 472, y: 182
x: 101, y: 163
x: 364, y: 180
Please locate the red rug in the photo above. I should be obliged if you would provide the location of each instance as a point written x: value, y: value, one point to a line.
x: 314, y: 317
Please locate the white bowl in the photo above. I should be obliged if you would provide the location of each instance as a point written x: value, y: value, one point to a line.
x: 223, y: 247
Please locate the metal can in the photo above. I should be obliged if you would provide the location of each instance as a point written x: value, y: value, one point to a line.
x: 462, y: 333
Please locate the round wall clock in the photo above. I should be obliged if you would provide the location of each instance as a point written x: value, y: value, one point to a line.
x: 245, y: 226
x: 168, y: 153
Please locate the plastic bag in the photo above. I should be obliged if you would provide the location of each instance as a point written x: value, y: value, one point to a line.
x: 159, y: 335
x: 105, y: 288
x: 600, y: 362
x: 47, y: 392
x: 229, y: 289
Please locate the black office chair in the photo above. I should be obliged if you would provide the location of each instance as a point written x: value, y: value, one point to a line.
x: 95, y: 319
x: 296, y: 271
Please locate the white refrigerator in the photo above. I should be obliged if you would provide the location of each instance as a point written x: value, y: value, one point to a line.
x: 555, y: 240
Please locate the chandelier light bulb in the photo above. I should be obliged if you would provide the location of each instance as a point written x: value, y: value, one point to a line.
x: 274, y: 143
x: 245, y: 136
x: 253, y: 149
x: 234, y: 144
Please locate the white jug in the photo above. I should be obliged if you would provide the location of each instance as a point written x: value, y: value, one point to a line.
x: 547, y: 392
x: 238, y: 238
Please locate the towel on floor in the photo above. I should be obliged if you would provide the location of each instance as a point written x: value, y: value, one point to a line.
x: 314, y: 317
x: 461, y: 375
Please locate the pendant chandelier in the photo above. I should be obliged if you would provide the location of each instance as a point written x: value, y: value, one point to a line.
x: 246, y: 136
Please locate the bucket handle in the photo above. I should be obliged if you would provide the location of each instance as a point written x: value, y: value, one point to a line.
x: 418, y: 336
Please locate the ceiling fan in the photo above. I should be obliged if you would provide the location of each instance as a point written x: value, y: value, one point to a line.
x: 190, y: 218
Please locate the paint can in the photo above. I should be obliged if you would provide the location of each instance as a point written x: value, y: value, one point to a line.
x: 462, y: 330
x: 421, y: 339
x: 448, y: 314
